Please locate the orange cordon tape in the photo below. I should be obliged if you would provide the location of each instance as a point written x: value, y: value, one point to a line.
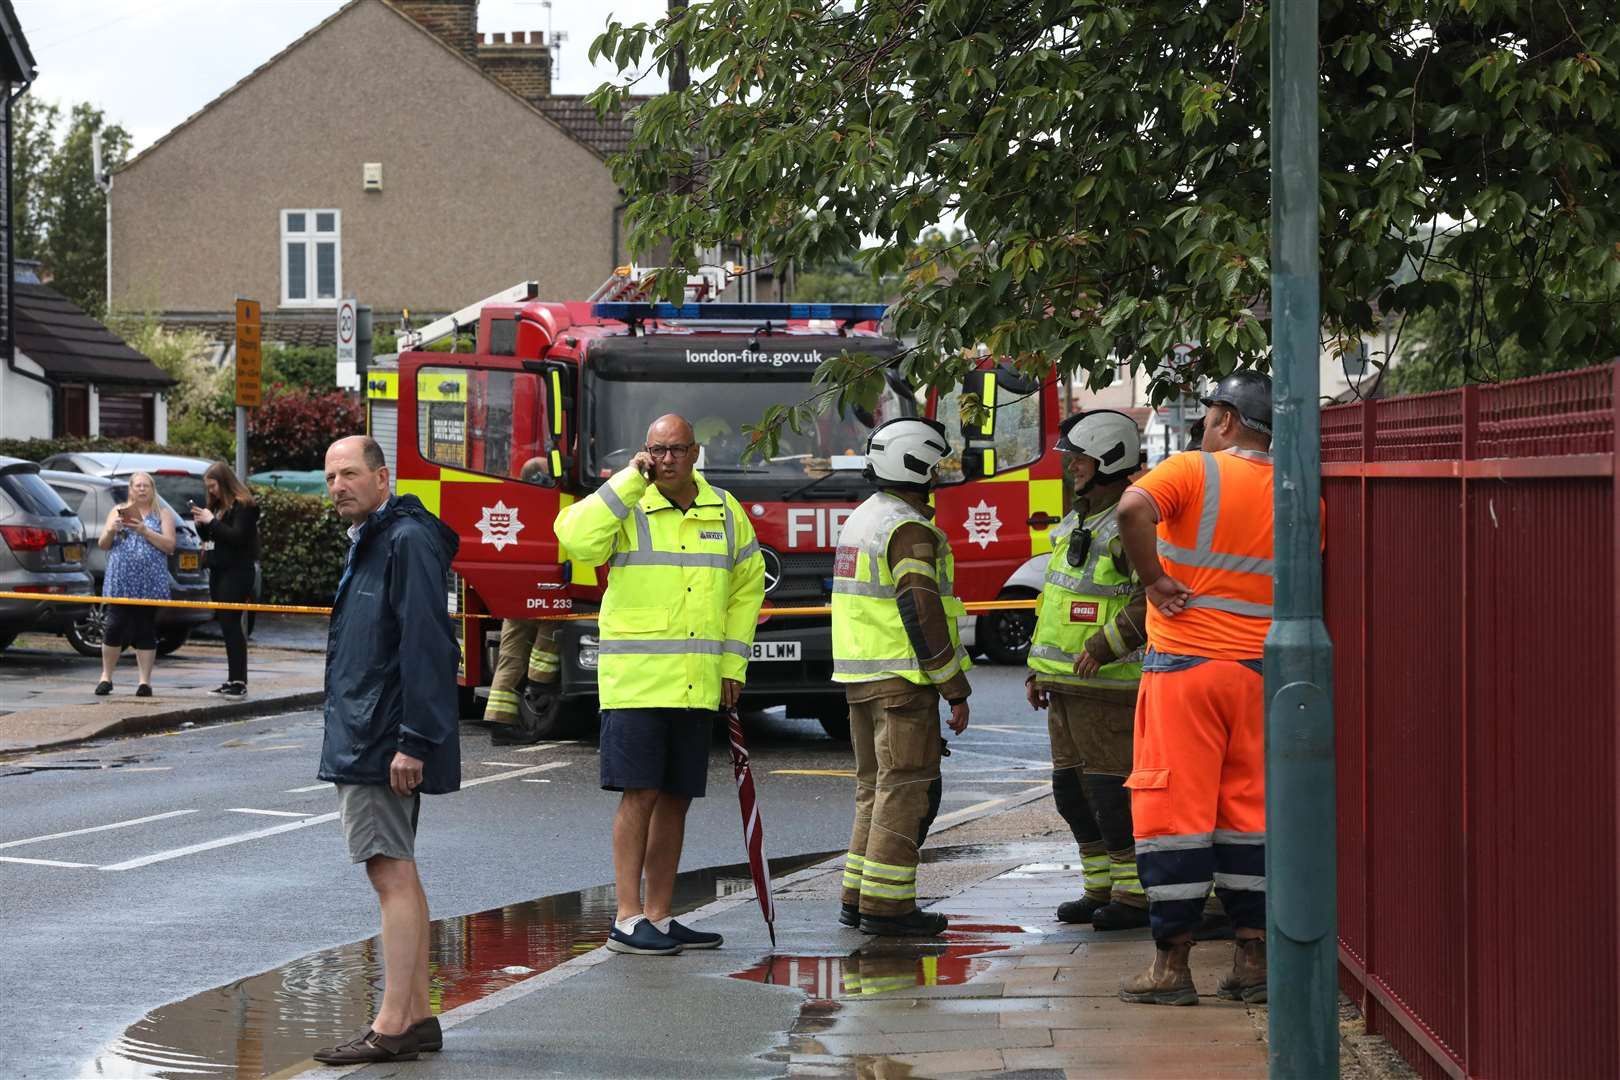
x: 297, y: 609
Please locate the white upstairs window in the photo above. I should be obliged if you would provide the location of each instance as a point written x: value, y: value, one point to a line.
x: 311, y: 257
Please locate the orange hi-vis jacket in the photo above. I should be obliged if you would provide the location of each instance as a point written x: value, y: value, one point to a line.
x: 1215, y: 537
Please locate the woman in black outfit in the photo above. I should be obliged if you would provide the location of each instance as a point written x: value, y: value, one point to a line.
x: 231, y: 521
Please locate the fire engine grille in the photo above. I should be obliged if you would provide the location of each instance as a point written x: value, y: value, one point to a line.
x: 804, y: 576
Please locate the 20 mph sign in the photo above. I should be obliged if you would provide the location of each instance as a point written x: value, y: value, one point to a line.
x: 347, y: 376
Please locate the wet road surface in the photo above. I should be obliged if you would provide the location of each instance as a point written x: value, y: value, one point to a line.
x: 140, y: 872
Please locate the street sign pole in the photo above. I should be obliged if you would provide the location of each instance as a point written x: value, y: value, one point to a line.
x: 1301, y: 912
x: 249, y: 369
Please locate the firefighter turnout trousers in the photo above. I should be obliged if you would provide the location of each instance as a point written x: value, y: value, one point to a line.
x: 1091, y: 754
x: 528, y: 651
x: 1198, y: 795
x: 897, y: 789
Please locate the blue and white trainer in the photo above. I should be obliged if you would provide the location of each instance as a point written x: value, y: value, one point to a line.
x: 644, y: 939
x: 694, y: 939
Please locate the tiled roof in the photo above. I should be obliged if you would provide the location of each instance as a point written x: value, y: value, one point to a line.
x: 53, y: 333
x: 606, y: 136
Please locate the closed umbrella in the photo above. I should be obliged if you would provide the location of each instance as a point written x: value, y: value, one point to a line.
x: 753, y: 829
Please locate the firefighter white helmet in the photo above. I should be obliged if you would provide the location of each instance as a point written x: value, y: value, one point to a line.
x: 1110, y: 438
x: 905, y: 450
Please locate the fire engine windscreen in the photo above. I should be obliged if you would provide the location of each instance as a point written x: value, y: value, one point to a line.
x: 721, y: 396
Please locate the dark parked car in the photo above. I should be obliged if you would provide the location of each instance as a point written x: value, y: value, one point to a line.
x: 92, y: 497
x: 42, y: 550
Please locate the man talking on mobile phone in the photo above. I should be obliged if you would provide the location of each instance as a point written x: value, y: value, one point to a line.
x: 684, y: 587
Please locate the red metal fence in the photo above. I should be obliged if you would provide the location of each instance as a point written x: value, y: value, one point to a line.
x: 1470, y: 589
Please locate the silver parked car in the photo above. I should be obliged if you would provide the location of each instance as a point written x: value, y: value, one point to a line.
x: 178, y: 479
x: 92, y: 498
x: 42, y: 550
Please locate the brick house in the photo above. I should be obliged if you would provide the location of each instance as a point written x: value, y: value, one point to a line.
x: 391, y: 153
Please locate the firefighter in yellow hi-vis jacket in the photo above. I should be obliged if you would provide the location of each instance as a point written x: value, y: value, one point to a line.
x: 1086, y: 663
x: 895, y: 648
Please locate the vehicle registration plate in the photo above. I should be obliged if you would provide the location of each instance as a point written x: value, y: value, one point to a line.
x: 188, y: 560
x: 776, y: 650
x: 73, y: 553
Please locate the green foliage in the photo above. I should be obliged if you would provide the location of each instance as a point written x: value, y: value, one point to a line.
x: 301, y: 366
x: 40, y: 449
x: 293, y: 427
x: 33, y: 141
x: 1111, y: 165
x: 302, y: 545
x: 74, y: 247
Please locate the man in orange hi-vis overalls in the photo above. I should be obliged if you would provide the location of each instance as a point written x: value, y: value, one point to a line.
x: 1198, y: 530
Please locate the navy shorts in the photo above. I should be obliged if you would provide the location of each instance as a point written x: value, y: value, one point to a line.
x: 666, y: 749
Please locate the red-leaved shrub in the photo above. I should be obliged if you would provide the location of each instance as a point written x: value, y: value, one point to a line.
x: 294, y: 426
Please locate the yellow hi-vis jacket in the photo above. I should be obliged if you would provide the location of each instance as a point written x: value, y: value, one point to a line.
x: 683, y: 591
x: 869, y: 639
x: 1079, y: 602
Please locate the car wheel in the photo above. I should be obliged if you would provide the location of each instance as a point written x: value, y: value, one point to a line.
x: 1004, y: 636
x: 833, y: 716
x: 169, y: 644
x: 88, y: 630
x: 6, y: 639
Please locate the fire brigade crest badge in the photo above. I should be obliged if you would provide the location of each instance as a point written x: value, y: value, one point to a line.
x: 983, y: 524
x: 500, y: 525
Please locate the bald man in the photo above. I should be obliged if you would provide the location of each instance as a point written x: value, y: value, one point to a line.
x: 684, y: 588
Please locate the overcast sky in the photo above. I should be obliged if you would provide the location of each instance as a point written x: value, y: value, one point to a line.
x: 149, y: 64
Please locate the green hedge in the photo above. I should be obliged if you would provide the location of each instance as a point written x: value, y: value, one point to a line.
x: 40, y: 449
x: 302, y: 546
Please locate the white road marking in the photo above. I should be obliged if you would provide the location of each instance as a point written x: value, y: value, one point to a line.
x: 504, y: 764
x: 262, y: 749
x: 515, y: 772
x: 532, y: 780
x: 96, y: 828
x: 149, y: 768
x: 223, y: 841
x: 267, y: 813
x: 537, y: 747
x: 47, y: 862
x: 1031, y: 732
x: 958, y: 749
x: 945, y: 820
x: 312, y: 787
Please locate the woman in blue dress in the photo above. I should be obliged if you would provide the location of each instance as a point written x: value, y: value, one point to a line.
x: 138, y: 538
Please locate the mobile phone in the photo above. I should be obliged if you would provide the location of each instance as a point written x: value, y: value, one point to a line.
x: 647, y: 471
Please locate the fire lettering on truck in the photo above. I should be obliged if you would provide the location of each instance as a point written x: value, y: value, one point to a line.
x: 817, y: 526
x: 500, y: 525
x: 746, y: 356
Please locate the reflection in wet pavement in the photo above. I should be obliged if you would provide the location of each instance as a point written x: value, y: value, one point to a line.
x: 269, y: 1022
x: 875, y: 969
x: 1001, y: 852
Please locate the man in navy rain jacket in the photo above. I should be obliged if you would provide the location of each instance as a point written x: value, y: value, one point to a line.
x: 391, y: 724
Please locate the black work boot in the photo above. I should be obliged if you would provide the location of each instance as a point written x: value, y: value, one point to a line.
x: 911, y: 924
x: 1115, y: 916
x: 850, y: 915
x: 1081, y: 910
x: 1246, y: 981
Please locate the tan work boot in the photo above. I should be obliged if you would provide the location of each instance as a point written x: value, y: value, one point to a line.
x: 1246, y: 981
x: 1167, y: 981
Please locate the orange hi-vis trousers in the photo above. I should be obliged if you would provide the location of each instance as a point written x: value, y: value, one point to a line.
x: 1198, y: 791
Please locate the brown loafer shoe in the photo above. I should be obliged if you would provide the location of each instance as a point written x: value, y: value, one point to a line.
x: 371, y: 1047
x: 428, y: 1034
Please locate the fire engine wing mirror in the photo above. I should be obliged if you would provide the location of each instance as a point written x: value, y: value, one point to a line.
x: 979, y: 424
x: 558, y: 379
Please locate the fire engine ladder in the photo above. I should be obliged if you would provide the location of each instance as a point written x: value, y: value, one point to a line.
x: 452, y: 324
x: 632, y: 284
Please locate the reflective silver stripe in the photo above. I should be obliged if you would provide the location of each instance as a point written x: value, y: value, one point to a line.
x: 749, y: 550
x: 1227, y: 836
x: 644, y: 557
x: 1236, y: 607
x: 738, y: 648
x: 661, y: 646
x: 614, y: 503
x: 863, y: 588
x: 643, y: 530
x: 950, y: 670
x: 1182, y: 842
x: 1076, y: 680
x: 1196, y: 890
x: 1241, y: 882
x: 1051, y: 652
x: 1216, y: 560
x: 1116, y: 643
x: 725, y: 523
x: 1211, y: 511
x: 872, y: 667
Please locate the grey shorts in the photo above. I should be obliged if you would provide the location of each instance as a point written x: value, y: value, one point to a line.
x: 378, y: 822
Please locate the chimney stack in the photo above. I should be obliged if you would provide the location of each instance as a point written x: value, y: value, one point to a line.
x: 455, y: 22
x: 522, y: 66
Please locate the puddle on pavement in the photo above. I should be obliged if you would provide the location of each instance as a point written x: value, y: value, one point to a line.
x: 73, y: 765
x: 267, y: 1023
x: 1033, y: 851
x: 875, y: 969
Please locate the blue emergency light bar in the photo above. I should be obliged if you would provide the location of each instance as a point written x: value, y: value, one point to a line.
x: 761, y: 313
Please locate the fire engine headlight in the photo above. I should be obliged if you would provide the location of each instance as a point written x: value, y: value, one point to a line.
x: 587, y: 652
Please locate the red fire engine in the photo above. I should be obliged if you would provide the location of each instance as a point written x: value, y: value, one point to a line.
x: 556, y: 397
